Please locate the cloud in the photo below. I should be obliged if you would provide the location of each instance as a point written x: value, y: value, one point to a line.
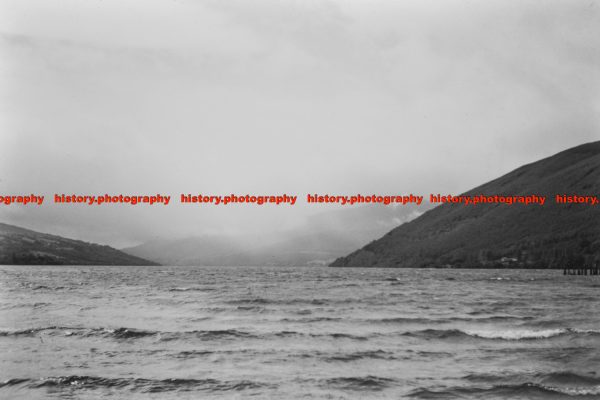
x: 272, y: 96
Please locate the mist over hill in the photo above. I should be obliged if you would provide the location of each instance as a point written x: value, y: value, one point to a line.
x: 324, y: 237
x: 495, y: 235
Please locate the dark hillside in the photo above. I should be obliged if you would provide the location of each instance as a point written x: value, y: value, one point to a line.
x: 20, y: 246
x: 492, y: 235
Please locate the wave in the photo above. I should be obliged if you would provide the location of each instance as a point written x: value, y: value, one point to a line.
x: 523, y: 390
x: 492, y: 318
x: 259, y: 309
x: 360, y: 355
x: 562, y: 378
x: 207, y: 334
x: 193, y: 354
x: 333, y: 335
x: 517, y: 334
x: 136, y: 384
x: 124, y: 333
x: 569, y: 378
x: 422, y: 320
x: 34, y: 331
x: 431, y: 354
x: 44, y: 287
x: 340, y: 336
x: 311, y: 319
x: 191, y: 289
x: 406, y: 320
x: 370, y: 383
x: 263, y: 301
x: 518, y: 385
x: 120, y: 333
x: 292, y: 301
x: 499, y: 334
x: 257, y: 300
x: 302, y: 312
x: 498, y: 307
x: 189, y: 354
x: 35, y: 305
x: 287, y: 333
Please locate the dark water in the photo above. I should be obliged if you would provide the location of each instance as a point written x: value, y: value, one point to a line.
x: 309, y: 333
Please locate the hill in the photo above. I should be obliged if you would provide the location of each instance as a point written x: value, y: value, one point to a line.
x: 20, y: 246
x: 324, y: 237
x: 496, y: 235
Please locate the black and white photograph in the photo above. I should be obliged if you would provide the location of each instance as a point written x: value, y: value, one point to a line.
x: 299, y: 199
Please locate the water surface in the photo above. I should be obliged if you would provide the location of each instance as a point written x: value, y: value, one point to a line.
x: 304, y: 333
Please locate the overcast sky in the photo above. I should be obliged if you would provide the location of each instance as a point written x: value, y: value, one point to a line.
x: 340, y: 97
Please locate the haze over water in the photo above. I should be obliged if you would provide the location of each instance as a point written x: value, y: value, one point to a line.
x: 311, y: 333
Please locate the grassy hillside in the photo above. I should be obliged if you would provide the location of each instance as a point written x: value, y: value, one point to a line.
x: 495, y: 235
x: 20, y: 246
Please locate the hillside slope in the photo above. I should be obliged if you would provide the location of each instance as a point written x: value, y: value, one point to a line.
x: 20, y: 246
x: 493, y: 235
